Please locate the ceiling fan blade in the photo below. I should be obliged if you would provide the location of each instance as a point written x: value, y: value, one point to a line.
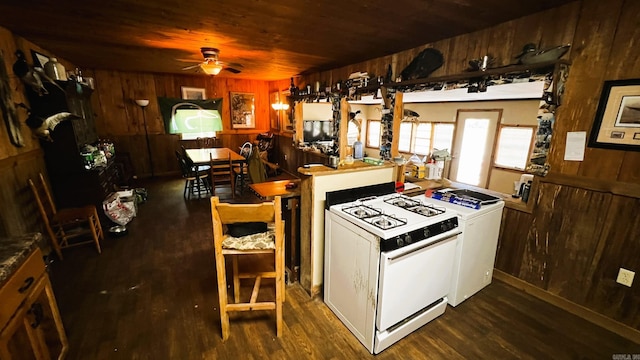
x: 191, y: 67
x: 232, y: 70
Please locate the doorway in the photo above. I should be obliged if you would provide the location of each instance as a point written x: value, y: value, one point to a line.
x: 473, y: 145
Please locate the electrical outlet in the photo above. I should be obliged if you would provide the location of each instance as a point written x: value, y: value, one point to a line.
x: 286, y: 157
x: 625, y: 277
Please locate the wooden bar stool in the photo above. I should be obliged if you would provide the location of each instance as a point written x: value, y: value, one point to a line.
x: 269, y: 244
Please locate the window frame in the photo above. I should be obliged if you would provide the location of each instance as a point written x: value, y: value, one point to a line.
x: 497, y: 147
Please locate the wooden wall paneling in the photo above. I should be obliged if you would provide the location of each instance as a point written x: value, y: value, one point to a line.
x: 18, y: 210
x: 618, y: 247
x: 456, y: 60
x: 514, y: 228
x: 142, y: 86
x: 630, y: 168
x: 170, y: 85
x: 574, y: 233
x: 589, y: 57
x: 501, y: 45
x: 479, y: 47
x: 112, y: 115
x: 527, y: 30
x: 559, y: 26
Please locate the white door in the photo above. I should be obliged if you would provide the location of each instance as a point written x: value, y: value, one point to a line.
x: 473, y: 146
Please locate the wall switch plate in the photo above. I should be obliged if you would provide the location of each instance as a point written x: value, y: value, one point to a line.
x: 625, y: 277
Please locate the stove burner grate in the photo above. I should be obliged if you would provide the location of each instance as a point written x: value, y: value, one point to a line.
x: 414, y: 205
x: 427, y: 210
x: 361, y: 211
x: 385, y: 222
x: 402, y: 201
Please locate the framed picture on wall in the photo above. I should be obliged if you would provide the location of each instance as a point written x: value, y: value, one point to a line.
x: 193, y: 93
x: 39, y: 59
x: 242, y: 110
x: 617, y: 122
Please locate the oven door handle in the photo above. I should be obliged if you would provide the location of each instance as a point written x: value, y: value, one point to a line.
x: 394, y: 258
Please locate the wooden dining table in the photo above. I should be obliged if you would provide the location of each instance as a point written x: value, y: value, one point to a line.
x: 203, y: 156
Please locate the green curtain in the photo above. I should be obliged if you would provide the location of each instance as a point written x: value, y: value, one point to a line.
x: 167, y: 106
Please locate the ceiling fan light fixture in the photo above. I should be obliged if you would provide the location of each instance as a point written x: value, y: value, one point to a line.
x: 211, y: 68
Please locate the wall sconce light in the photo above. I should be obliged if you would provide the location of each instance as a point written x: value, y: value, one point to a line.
x: 142, y: 102
x: 280, y: 106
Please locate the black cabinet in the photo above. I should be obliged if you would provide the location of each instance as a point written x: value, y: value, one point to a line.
x: 71, y: 183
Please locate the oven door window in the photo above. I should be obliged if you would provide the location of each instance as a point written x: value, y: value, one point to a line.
x: 412, y: 278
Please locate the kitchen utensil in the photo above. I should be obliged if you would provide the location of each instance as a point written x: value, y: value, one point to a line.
x: 334, y: 161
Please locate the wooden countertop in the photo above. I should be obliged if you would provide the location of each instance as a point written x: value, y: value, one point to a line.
x: 269, y: 189
x: 357, y: 165
x: 13, y: 252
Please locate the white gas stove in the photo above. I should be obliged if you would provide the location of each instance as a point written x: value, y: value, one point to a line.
x: 388, y: 264
x: 398, y: 220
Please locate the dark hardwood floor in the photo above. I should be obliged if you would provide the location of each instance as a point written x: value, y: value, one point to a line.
x: 152, y: 295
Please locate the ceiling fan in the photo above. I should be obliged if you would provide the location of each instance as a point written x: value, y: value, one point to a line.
x: 212, y: 65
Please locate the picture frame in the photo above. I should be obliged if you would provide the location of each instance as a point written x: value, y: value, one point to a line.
x: 39, y: 59
x: 617, y: 121
x: 242, y: 110
x: 193, y: 93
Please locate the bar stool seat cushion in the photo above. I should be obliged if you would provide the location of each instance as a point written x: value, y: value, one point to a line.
x: 263, y: 240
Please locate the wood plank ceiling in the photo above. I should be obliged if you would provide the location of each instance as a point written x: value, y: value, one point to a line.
x: 272, y: 39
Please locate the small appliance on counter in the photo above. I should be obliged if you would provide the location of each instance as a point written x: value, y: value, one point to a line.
x: 520, y: 185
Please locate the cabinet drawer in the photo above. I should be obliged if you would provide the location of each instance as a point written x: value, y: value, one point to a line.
x: 20, y: 285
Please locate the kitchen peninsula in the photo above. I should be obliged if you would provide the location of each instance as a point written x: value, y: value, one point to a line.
x: 316, y: 181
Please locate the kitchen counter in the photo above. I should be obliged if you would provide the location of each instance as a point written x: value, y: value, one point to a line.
x: 509, y: 202
x: 14, y: 251
x: 357, y: 165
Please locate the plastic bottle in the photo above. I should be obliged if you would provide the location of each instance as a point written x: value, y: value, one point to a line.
x: 526, y: 191
x: 358, y: 150
x: 55, y: 70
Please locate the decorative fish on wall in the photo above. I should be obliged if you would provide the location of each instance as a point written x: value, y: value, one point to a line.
x: 8, y: 107
x: 42, y: 127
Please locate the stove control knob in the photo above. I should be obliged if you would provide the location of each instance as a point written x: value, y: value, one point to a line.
x: 399, y: 241
x: 426, y: 233
x: 407, y: 239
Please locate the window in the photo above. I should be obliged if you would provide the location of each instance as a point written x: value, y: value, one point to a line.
x: 422, y: 137
x: 513, y: 147
x: 373, y: 133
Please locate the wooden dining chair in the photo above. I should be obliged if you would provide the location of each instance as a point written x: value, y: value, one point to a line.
x: 267, y: 245
x: 221, y: 173
x: 66, y: 227
x: 196, y: 181
x: 242, y: 170
x: 207, y: 142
